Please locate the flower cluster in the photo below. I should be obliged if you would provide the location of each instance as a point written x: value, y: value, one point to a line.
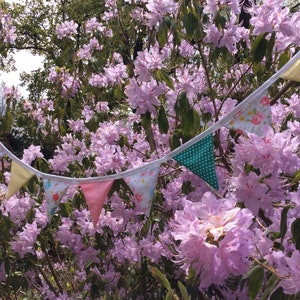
x: 124, y: 84
x: 8, y: 30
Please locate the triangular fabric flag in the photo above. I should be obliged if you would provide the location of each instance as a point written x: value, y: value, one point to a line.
x: 2, y: 152
x: 143, y: 186
x: 95, y: 194
x: 254, y: 117
x: 54, y: 191
x: 293, y: 73
x: 199, y: 158
x: 18, y: 177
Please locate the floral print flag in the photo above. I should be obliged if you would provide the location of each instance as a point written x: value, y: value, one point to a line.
x: 143, y: 186
x: 199, y: 158
x: 253, y: 117
x: 293, y: 73
x: 95, y: 194
x: 54, y: 191
x: 18, y: 177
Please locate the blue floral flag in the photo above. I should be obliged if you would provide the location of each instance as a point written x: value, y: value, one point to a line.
x: 54, y: 191
x: 199, y: 158
x: 254, y: 117
x: 143, y: 186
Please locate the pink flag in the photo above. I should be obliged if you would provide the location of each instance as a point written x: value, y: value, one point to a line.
x: 95, y: 194
x: 143, y: 186
x: 54, y: 191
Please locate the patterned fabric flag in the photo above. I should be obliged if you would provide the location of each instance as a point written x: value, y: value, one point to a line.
x: 54, y: 191
x: 95, y: 194
x: 253, y: 117
x: 199, y: 158
x: 293, y: 73
x: 2, y: 152
x: 18, y: 177
x: 143, y: 186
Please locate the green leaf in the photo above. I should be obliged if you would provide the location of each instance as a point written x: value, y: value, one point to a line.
x: 271, y: 43
x: 146, y: 120
x: 183, y: 103
x: 259, y: 47
x: 8, y: 122
x: 256, y: 277
x: 163, y: 123
x: 196, y: 123
x: 296, y: 177
x: 296, y: 233
x: 284, y: 58
x: 283, y: 222
x: 169, y: 296
x: 270, y: 286
x: 162, y: 35
x: 279, y: 295
x: 187, y: 123
x: 190, y: 22
x: 160, y: 277
x: 164, y: 76
x: 174, y: 141
x: 183, y: 290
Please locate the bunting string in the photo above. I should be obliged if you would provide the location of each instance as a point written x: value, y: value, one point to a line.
x: 222, y: 122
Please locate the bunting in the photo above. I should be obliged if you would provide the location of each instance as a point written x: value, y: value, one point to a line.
x: 293, y: 73
x: 254, y: 117
x: 95, y: 194
x: 18, y: 177
x: 54, y: 191
x: 199, y: 158
x: 197, y: 155
x: 143, y: 186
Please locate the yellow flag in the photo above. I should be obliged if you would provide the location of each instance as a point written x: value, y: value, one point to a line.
x: 293, y: 73
x: 18, y: 177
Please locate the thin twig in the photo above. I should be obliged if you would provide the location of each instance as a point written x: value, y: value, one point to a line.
x: 233, y: 87
x: 286, y: 87
x: 204, y: 62
x: 53, y: 272
x: 47, y: 281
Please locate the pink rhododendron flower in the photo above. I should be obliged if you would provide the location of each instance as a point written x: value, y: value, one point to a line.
x: 31, y: 154
x: 215, y: 239
x: 8, y: 31
x: 290, y: 272
x: 144, y: 97
x: 25, y: 239
x: 157, y: 9
x: 66, y: 29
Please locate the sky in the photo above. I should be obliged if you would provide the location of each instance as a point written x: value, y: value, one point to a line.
x: 25, y: 62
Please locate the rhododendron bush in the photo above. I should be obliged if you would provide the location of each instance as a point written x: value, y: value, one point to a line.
x: 124, y: 83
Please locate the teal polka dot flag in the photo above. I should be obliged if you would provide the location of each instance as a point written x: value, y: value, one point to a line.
x: 199, y: 158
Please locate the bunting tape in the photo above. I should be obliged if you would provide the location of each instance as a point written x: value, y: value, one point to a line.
x: 222, y: 122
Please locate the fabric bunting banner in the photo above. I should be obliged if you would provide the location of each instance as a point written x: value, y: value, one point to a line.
x: 199, y: 158
x: 95, y: 194
x: 143, y: 186
x: 54, y: 191
x: 18, y: 177
x: 253, y: 117
x: 293, y: 73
